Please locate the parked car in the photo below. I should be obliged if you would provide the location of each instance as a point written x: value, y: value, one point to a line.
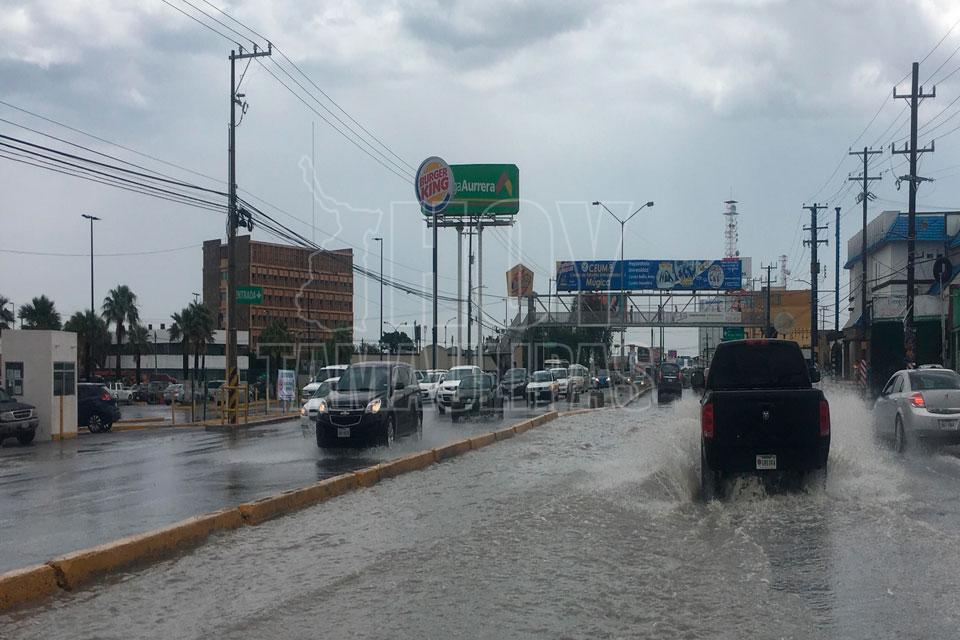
x: 669, y: 382
x: 761, y: 415
x: 451, y: 380
x: 120, y: 391
x: 154, y: 391
x: 173, y: 393
x: 477, y: 395
x: 96, y: 408
x: 514, y: 383
x: 374, y: 402
x: 542, y: 387
x: 213, y: 389
x: 17, y: 419
x: 331, y: 371
x: 308, y: 412
x: 919, y: 405
x: 429, y: 385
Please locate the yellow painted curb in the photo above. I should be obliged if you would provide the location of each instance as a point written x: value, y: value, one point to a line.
x: 477, y: 442
x: 453, y: 449
x: 406, y: 464
x: 521, y: 427
x: 24, y: 585
x: 258, y: 511
x: 503, y: 434
x: 79, y: 567
x: 368, y: 477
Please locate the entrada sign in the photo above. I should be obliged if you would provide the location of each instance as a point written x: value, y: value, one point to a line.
x: 249, y: 295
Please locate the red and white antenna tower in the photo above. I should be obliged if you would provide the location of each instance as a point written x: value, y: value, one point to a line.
x: 730, y: 234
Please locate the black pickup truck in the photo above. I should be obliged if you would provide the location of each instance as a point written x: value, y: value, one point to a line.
x: 760, y: 415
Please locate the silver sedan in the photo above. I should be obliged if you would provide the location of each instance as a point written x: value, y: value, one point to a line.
x: 919, y: 405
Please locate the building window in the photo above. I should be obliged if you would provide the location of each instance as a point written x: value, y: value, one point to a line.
x: 14, y: 378
x: 64, y: 378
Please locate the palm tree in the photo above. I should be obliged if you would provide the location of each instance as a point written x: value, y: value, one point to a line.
x: 120, y: 306
x: 200, y: 330
x: 180, y: 332
x: 278, y: 341
x: 138, y: 337
x: 41, y: 313
x: 93, y: 338
x: 6, y: 315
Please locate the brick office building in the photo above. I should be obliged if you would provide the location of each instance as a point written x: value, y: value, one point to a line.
x: 298, y: 284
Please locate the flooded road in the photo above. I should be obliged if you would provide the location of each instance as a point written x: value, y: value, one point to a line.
x: 588, y: 527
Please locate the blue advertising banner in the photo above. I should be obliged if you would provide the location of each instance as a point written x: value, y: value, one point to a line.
x: 688, y: 275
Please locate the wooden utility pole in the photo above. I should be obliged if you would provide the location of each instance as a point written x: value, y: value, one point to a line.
x: 863, y: 197
x: 236, y: 99
x: 813, y: 243
x: 916, y: 94
x: 768, y: 331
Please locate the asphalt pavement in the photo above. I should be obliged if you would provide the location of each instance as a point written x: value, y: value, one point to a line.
x: 589, y: 527
x: 60, y: 497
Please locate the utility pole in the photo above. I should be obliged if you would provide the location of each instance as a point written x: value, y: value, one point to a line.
x: 236, y: 98
x: 836, y: 274
x: 93, y: 311
x: 863, y: 198
x: 813, y: 243
x: 380, y: 240
x: 469, y: 291
x: 768, y: 329
x: 916, y: 94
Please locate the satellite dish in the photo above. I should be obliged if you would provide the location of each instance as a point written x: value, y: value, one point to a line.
x: 784, y: 323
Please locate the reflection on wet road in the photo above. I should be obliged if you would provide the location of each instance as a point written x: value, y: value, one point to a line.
x: 588, y: 527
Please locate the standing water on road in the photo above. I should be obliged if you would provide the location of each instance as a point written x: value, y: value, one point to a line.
x: 588, y: 527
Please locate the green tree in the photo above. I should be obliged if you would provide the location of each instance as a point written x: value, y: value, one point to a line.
x: 180, y: 332
x: 6, y: 315
x: 199, y: 326
x: 338, y: 348
x: 119, y: 307
x: 93, y: 339
x: 394, y: 339
x: 275, y: 341
x: 40, y: 313
x: 138, y: 337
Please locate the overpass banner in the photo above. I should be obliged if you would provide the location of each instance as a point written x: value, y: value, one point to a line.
x: 687, y: 275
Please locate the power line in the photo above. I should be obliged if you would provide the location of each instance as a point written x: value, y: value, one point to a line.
x: 56, y: 254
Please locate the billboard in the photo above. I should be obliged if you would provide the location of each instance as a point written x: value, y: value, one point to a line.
x: 519, y: 281
x: 687, y: 275
x: 483, y: 190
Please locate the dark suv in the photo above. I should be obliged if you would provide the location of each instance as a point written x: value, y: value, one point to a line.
x: 17, y: 420
x: 96, y: 408
x: 514, y: 383
x: 478, y: 395
x: 669, y: 382
x: 375, y: 402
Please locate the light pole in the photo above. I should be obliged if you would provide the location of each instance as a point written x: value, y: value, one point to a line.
x: 380, y: 240
x: 196, y: 297
x: 93, y: 311
x: 623, y: 274
x: 445, y: 329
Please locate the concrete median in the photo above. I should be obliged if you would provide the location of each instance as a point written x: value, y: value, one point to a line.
x: 478, y: 442
x: 406, y: 464
x: 264, y: 509
x: 27, y: 584
x: 78, y: 568
x: 453, y: 449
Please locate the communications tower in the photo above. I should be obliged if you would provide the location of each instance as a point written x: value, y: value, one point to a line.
x: 730, y: 233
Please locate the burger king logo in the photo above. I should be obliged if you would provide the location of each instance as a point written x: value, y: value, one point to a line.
x: 434, y: 185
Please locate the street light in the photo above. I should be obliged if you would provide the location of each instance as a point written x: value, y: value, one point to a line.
x: 445, y: 329
x: 93, y: 312
x: 623, y: 275
x: 380, y: 240
x: 196, y: 297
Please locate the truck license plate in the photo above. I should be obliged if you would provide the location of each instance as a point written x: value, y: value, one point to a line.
x: 344, y: 432
x: 950, y: 425
x: 767, y: 461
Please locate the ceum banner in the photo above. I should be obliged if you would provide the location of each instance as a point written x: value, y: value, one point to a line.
x: 634, y: 275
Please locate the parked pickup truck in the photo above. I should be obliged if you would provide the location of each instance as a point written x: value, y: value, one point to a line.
x: 760, y: 415
x: 120, y: 392
x: 17, y: 419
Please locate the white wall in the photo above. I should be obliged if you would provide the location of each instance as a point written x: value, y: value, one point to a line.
x: 38, y: 350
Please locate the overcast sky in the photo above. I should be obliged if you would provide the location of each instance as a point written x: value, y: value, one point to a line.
x: 681, y: 102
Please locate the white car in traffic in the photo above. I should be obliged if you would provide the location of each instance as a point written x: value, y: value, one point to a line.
x: 542, y: 387
x: 333, y: 371
x: 451, y: 380
x: 563, y: 381
x: 430, y: 383
x: 308, y: 412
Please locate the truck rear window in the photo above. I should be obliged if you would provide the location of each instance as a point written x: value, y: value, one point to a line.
x: 762, y: 365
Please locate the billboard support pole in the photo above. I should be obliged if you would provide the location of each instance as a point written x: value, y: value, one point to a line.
x: 459, y: 290
x: 433, y: 355
x: 480, y: 294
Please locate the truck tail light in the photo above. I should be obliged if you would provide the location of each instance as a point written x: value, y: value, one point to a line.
x: 917, y: 400
x: 706, y: 420
x: 105, y: 396
x: 824, y: 418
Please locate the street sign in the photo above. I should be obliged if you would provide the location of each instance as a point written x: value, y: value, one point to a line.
x: 733, y: 333
x: 249, y: 295
x: 433, y: 185
x: 687, y: 275
x: 286, y: 385
x: 519, y: 281
x: 487, y: 190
